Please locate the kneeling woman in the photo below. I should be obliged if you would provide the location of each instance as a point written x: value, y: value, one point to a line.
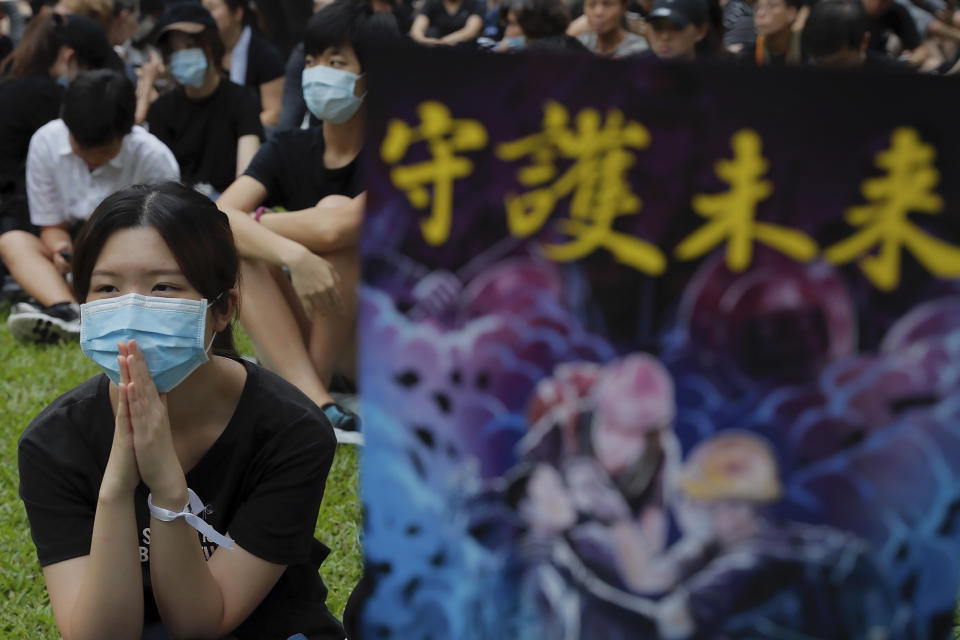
x: 177, y: 494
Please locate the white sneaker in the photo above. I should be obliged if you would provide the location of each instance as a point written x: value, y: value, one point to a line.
x: 24, y: 307
x: 49, y: 325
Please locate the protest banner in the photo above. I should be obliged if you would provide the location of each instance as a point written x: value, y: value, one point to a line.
x: 659, y: 351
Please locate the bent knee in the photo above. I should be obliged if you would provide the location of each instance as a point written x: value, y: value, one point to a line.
x: 18, y: 240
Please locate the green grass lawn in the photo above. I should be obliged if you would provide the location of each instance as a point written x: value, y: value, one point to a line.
x: 30, y: 377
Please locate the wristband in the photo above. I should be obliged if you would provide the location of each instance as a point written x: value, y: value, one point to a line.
x: 189, y: 513
x: 259, y: 212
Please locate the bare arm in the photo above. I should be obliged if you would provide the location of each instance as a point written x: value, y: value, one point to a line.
x: 195, y: 598
x: 271, y: 97
x: 101, y: 595
x: 469, y: 32
x: 146, y: 94
x: 331, y: 225
x: 418, y: 30
x: 247, y: 147
x: 198, y: 598
x: 56, y: 239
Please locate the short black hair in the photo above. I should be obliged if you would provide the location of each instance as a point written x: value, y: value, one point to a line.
x: 795, y: 4
x: 195, y: 230
x: 540, y: 18
x: 833, y: 26
x: 349, y: 21
x: 99, y: 107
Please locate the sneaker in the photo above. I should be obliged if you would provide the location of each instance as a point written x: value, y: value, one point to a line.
x: 49, y: 325
x: 346, y: 424
x: 25, y: 307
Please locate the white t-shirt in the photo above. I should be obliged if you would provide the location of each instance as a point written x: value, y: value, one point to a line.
x: 60, y: 187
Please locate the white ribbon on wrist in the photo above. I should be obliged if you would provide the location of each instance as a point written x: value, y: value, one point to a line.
x: 190, y: 515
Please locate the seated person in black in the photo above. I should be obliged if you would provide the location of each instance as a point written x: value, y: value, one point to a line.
x: 53, y: 50
x: 211, y: 124
x: 835, y: 35
x: 448, y: 22
x: 251, y: 59
x: 108, y: 470
x: 304, y: 327
x: 886, y: 18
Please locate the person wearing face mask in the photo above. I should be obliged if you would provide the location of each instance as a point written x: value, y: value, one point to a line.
x: 53, y: 50
x: 211, y: 124
x: 175, y: 495
x: 303, y: 326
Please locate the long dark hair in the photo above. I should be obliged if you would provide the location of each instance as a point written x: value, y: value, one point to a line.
x: 38, y: 48
x: 196, y: 232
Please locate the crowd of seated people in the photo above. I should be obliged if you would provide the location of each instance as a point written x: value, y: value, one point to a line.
x: 259, y: 112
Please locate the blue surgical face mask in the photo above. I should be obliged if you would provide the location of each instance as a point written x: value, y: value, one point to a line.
x: 189, y: 67
x: 170, y: 333
x: 517, y: 42
x: 63, y: 81
x: 329, y: 93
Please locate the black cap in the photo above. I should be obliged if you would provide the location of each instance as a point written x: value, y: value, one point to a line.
x: 189, y: 17
x: 88, y: 40
x: 680, y: 12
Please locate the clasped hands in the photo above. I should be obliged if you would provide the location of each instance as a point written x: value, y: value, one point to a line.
x: 143, y: 443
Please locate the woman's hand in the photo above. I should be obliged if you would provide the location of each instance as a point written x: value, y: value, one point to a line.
x: 316, y: 282
x: 152, y: 440
x: 121, y: 476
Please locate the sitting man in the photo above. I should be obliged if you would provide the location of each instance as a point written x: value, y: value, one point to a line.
x: 303, y: 326
x: 72, y: 164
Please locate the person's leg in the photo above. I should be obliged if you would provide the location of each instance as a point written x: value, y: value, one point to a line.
x: 30, y: 264
x: 333, y: 336
x: 278, y: 334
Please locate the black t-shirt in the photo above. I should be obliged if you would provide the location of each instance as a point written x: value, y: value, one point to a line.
x: 290, y: 167
x: 897, y: 20
x: 264, y: 62
x: 203, y: 133
x: 262, y: 480
x: 443, y: 23
x: 26, y: 104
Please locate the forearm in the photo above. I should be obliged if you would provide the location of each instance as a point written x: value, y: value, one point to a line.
x: 189, y: 599
x: 55, y: 237
x: 145, y: 96
x: 256, y: 241
x: 469, y: 32
x: 418, y: 31
x: 271, y: 97
x: 110, y: 602
x: 320, y: 229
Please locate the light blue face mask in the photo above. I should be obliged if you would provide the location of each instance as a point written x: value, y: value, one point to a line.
x: 329, y: 94
x: 189, y: 67
x: 169, y: 331
x: 517, y: 42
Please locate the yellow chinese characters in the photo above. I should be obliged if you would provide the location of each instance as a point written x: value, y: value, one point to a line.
x: 596, y: 182
x: 884, y: 224
x: 445, y: 136
x: 732, y: 214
